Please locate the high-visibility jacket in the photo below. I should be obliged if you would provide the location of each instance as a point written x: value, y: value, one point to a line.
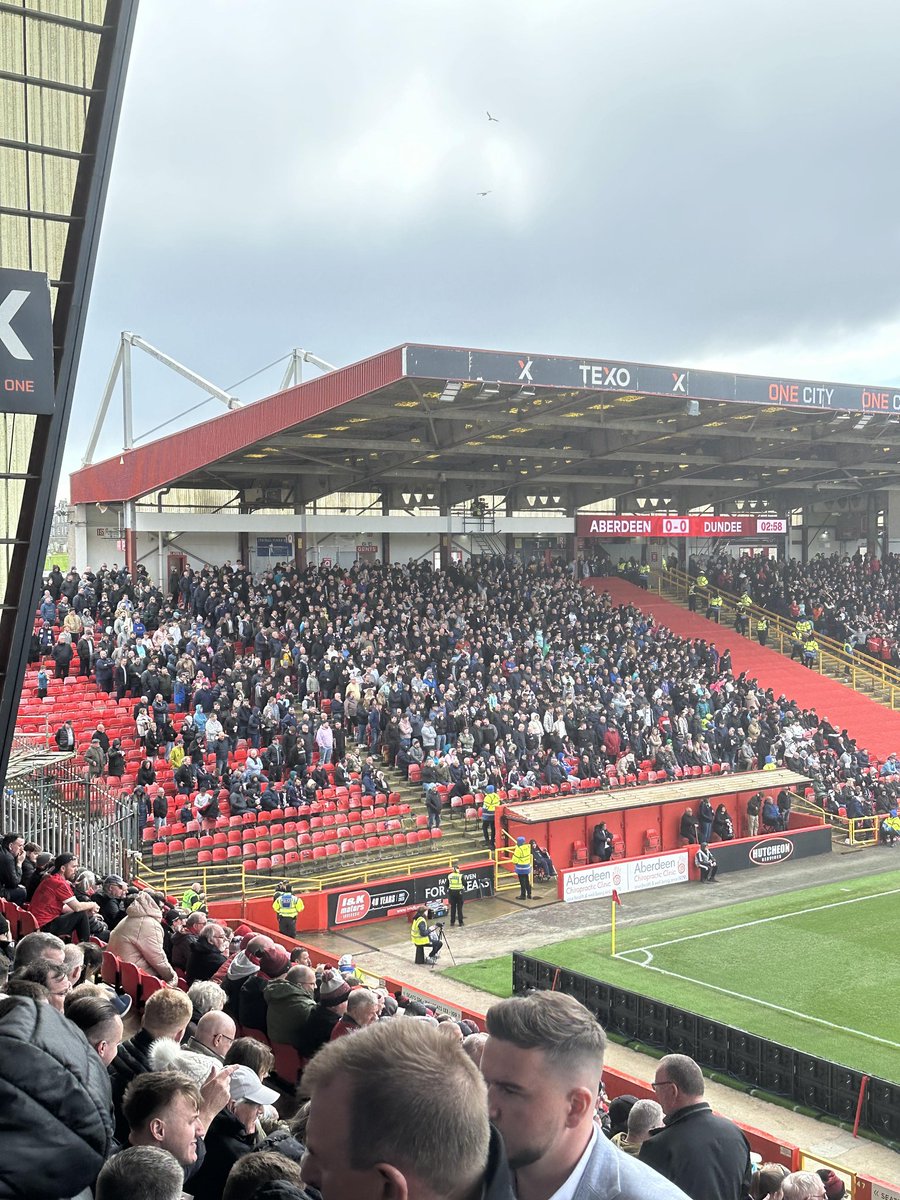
x: 762, y: 623
x: 419, y: 932
x: 745, y: 601
x: 716, y: 602
x: 287, y: 905
x: 702, y: 581
x: 645, y: 569
x: 522, y: 859
x: 489, y: 805
x: 191, y: 900
x: 811, y: 646
x: 455, y: 881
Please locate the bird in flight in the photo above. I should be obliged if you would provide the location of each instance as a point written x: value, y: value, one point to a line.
x: 487, y: 193
x: 490, y: 118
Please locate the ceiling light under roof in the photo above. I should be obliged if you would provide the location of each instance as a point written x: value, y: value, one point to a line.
x: 451, y: 390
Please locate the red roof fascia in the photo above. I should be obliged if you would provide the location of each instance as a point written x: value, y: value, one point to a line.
x: 145, y: 469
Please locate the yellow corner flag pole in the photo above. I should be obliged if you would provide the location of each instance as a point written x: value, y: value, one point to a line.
x: 615, y: 902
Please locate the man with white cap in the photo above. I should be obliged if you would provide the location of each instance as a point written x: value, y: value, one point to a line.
x: 233, y: 1133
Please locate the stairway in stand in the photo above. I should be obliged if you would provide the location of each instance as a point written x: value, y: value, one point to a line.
x: 876, y: 728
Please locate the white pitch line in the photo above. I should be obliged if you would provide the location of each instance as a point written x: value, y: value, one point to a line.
x: 790, y: 1012
x: 800, y: 912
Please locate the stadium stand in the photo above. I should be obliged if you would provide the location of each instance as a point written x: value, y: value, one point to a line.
x: 255, y: 721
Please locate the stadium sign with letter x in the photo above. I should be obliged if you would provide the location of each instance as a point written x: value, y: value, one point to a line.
x: 26, y: 343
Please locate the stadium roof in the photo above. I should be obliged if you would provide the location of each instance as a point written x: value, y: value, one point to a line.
x: 488, y: 422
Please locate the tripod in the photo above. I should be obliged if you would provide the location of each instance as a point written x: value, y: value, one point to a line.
x: 439, y: 939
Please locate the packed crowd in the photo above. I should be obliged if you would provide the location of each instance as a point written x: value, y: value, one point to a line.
x: 395, y: 1100
x: 491, y: 675
x: 855, y: 600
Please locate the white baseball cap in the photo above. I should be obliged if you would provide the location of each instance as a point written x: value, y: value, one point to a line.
x: 246, y: 1085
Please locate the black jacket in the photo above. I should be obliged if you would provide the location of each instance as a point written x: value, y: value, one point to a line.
x: 252, y: 1006
x: 706, y: 1156
x: 55, y: 1100
x: 10, y: 873
x: 317, y: 1030
x: 203, y: 961
x: 111, y: 910
x: 132, y: 1059
x: 226, y: 1142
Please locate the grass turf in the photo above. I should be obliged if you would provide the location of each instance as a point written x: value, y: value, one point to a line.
x: 837, y: 969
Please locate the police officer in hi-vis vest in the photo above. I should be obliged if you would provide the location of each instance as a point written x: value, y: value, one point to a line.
x: 456, y: 889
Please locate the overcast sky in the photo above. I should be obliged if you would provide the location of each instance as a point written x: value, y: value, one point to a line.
x: 708, y: 183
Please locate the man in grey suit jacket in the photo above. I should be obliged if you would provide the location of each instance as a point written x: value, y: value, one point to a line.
x: 542, y: 1063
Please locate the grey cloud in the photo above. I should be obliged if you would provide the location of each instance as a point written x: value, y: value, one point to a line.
x: 668, y: 181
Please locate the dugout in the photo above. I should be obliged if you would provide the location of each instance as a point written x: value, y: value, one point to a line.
x: 641, y: 820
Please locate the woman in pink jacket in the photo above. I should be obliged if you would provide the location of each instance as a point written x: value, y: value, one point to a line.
x: 138, y: 939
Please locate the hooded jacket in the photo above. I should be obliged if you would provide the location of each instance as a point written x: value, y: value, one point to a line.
x: 138, y: 938
x: 240, y: 969
x: 55, y: 1100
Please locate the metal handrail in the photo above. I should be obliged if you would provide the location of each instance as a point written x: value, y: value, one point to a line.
x: 882, y: 676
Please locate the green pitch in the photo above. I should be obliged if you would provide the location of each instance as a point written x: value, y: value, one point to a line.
x: 818, y: 970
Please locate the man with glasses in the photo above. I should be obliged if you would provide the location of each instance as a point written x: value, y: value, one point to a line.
x: 215, y: 1033
x: 706, y: 1156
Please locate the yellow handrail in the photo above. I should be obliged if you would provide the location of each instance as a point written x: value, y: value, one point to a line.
x: 856, y: 672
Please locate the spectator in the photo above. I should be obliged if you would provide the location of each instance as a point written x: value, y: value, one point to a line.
x: 29, y: 863
x: 166, y: 1015
x: 110, y: 900
x: 184, y: 939
x: 206, y: 996
x: 138, y: 939
x: 208, y: 952
x: 248, y: 1052
x: 400, y: 1102
x: 706, y: 864
x: 289, y: 1002
x: 542, y: 1062
x: 273, y: 963
x: 54, y: 905
x: 645, y: 1115
x: 233, y: 1133
x: 252, y: 1171
x: 98, y: 1017
x: 51, y: 976
x: 767, y: 1181
x: 141, y: 1173
x: 803, y: 1185
x: 362, y: 1010
x: 163, y: 1109
x: 35, y: 946
x: 706, y: 1156
x: 12, y: 856
x: 56, y: 1140
x: 95, y: 758
x: 333, y: 995
x: 216, y: 1031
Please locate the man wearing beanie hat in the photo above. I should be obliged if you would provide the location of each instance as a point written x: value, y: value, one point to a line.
x: 333, y: 993
x: 522, y: 862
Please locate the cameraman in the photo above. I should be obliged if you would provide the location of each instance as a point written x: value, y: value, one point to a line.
x: 421, y: 934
